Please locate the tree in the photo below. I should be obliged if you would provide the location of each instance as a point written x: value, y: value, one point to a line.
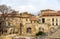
x: 40, y: 33
x: 4, y: 10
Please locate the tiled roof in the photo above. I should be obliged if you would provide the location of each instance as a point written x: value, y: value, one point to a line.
x: 47, y: 10
x: 51, y: 14
x: 25, y: 14
x: 33, y: 18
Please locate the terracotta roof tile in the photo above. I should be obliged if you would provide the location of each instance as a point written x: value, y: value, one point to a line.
x: 33, y: 18
x: 51, y: 14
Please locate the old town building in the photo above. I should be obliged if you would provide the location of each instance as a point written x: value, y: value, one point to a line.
x: 27, y: 24
x: 50, y: 17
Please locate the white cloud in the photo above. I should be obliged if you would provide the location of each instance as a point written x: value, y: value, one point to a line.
x: 24, y: 8
x: 33, y: 6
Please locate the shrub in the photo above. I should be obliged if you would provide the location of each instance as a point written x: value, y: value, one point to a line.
x: 40, y: 33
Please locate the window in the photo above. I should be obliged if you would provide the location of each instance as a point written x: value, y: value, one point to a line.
x: 29, y: 30
x: 52, y: 21
x: 26, y: 19
x: 31, y: 21
x: 56, y: 21
x: 43, y: 20
x: 0, y: 25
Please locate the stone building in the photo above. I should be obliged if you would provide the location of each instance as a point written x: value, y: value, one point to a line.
x: 26, y: 24
x: 50, y: 17
x: 16, y: 23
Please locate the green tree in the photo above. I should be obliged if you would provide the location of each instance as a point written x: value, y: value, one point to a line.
x: 40, y: 33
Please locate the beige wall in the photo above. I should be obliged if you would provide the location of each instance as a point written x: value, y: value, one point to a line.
x: 49, y: 19
x: 34, y: 26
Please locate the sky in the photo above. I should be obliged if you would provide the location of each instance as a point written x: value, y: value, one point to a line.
x: 32, y: 6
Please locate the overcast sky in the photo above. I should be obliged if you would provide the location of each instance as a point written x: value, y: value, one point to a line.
x: 33, y: 6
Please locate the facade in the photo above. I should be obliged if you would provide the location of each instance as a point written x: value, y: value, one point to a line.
x: 26, y: 24
x: 50, y: 17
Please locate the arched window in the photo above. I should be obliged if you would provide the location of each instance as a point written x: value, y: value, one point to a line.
x: 28, y: 30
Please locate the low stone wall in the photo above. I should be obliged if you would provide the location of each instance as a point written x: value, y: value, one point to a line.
x: 7, y: 36
x: 47, y: 38
x: 24, y: 37
x: 4, y: 37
